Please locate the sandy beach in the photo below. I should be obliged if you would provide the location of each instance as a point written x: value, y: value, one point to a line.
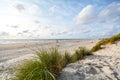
x: 14, y: 53
x: 104, y: 64
x: 14, y: 50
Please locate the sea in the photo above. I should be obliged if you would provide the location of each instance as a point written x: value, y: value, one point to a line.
x: 7, y: 41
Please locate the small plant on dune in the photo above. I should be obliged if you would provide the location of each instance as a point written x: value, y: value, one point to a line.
x: 67, y: 58
x: 105, y: 41
x: 46, y: 67
x: 96, y: 47
x: 55, y: 60
x: 115, y: 38
x: 52, y: 59
x: 85, y: 51
x: 33, y: 70
x: 80, y: 53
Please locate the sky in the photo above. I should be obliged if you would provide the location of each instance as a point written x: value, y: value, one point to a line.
x: 59, y: 19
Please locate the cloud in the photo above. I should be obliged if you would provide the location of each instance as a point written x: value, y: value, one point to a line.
x: 89, y: 15
x: 27, y: 8
x: 25, y: 31
x: 19, y: 33
x: 86, y: 31
x: 4, y: 34
x: 36, y: 21
x: 61, y: 32
x: 86, y: 16
x: 53, y: 8
x: 114, y: 29
x: 20, y: 7
x: 58, y: 33
x: 33, y: 9
x: 111, y: 13
x: 14, y: 26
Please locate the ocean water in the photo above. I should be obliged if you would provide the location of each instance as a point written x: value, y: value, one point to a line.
x: 7, y: 41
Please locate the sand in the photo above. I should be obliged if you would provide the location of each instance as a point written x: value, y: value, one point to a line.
x: 13, y: 54
x: 103, y: 65
x: 14, y: 50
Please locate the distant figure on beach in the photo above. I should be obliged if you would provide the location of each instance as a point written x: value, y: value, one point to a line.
x: 57, y: 43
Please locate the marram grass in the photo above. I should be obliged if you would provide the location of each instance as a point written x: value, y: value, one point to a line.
x: 105, y: 41
x: 33, y: 70
x: 48, y: 65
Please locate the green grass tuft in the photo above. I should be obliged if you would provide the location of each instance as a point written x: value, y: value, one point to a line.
x: 80, y: 54
x: 67, y: 58
x: 105, y: 41
x: 33, y: 70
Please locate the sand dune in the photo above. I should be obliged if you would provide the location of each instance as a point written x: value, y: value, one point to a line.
x: 104, y: 65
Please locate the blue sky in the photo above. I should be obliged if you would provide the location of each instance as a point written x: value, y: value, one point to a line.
x: 38, y: 19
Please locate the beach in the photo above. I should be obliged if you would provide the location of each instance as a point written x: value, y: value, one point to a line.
x: 104, y: 64
x: 14, y: 50
x: 13, y: 54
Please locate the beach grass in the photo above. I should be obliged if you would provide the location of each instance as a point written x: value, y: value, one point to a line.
x: 80, y: 53
x: 48, y: 65
x: 33, y: 70
x: 67, y: 58
x: 111, y: 40
x: 52, y: 59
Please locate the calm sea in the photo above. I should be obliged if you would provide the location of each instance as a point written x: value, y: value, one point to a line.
x: 7, y: 41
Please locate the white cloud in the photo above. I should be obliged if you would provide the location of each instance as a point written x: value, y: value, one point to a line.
x: 4, y: 34
x: 62, y: 32
x: 14, y: 26
x: 33, y: 9
x: 86, y: 16
x: 112, y: 30
x: 36, y: 21
x: 20, y: 7
x: 53, y: 8
x: 24, y: 8
x: 111, y: 13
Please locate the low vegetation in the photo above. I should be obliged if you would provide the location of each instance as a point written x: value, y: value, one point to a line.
x: 48, y: 65
x: 80, y: 53
x: 105, y: 41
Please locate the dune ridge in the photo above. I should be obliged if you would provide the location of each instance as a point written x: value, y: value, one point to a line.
x: 103, y: 65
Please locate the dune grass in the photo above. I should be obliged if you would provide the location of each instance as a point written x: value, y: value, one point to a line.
x: 48, y: 64
x: 80, y: 53
x: 67, y: 58
x: 105, y: 41
x: 33, y: 70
